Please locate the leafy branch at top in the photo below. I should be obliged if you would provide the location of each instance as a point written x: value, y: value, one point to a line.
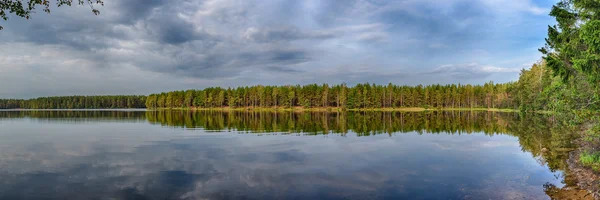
x: 24, y: 8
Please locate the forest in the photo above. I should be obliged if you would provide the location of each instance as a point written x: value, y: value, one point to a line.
x: 538, y: 88
x: 360, y: 96
x: 76, y: 102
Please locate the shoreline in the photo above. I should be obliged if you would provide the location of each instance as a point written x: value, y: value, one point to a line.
x: 336, y: 109
x: 282, y: 109
x: 586, y: 177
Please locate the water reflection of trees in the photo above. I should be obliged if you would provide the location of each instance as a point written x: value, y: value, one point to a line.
x: 546, y: 138
x: 314, y: 123
x: 74, y: 116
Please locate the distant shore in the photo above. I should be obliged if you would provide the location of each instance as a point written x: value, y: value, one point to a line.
x: 294, y: 109
x: 338, y: 109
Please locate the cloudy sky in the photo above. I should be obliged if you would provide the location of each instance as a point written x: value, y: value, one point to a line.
x: 146, y: 46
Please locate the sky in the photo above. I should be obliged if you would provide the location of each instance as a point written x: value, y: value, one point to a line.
x: 149, y: 46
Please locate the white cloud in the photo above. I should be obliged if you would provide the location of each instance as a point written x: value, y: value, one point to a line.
x: 470, y: 70
x: 498, y: 69
x: 516, y: 6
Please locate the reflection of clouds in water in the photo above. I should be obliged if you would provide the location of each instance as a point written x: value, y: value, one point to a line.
x: 492, y: 144
x: 369, y: 145
x: 206, y: 167
x: 220, y: 166
x: 473, y: 143
x: 443, y: 146
x: 30, y: 146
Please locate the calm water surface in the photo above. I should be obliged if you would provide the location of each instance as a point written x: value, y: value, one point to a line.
x: 245, y: 155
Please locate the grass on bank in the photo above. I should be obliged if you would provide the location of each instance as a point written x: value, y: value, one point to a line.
x: 590, y: 160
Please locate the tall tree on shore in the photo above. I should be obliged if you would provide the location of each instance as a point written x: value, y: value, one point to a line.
x: 573, y: 45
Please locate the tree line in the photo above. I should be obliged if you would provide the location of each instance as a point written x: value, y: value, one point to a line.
x: 76, y: 102
x: 538, y: 88
x: 568, y: 76
x: 488, y: 95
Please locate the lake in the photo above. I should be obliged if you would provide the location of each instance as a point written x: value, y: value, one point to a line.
x: 123, y: 154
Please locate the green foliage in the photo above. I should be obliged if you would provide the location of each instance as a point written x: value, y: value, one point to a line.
x: 572, y: 53
x: 24, y: 9
x: 489, y: 95
x: 78, y: 102
x: 538, y: 89
x: 590, y: 160
x: 593, y: 133
x: 573, y: 45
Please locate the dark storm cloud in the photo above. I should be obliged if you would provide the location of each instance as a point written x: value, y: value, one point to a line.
x: 80, y: 30
x: 167, y: 28
x: 192, y: 51
x: 460, y: 24
x: 62, y: 30
x: 219, y: 63
x: 204, y: 41
x: 133, y: 10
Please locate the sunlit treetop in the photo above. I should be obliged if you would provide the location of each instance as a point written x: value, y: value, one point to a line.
x: 24, y: 8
